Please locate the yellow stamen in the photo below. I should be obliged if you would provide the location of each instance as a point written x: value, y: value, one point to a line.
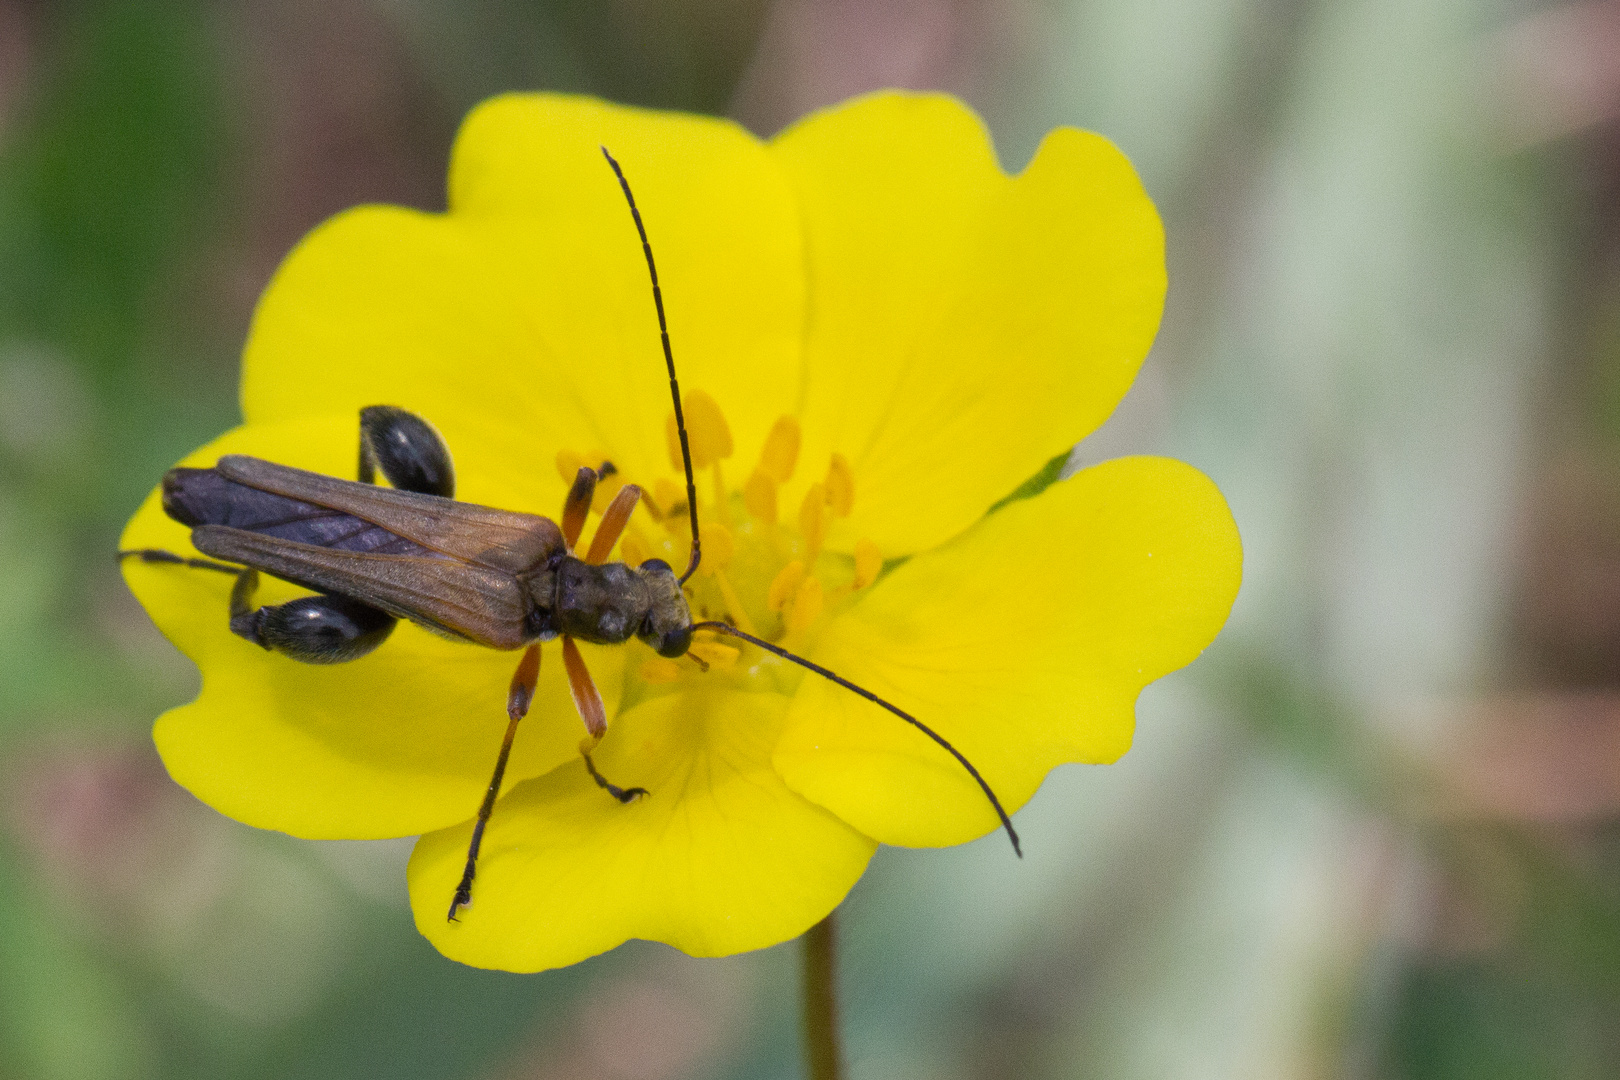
x: 734, y: 605
x: 813, y: 521
x: 868, y: 561
x: 840, y: 486
x: 718, y: 546
x: 707, y: 433
x: 667, y: 494
x: 649, y: 505
x: 759, y: 497
x: 807, y: 605
x: 606, y: 488
x: 633, y: 550
x: 672, y: 443
x: 722, y: 505
x: 784, y: 585
x: 656, y: 669
x: 568, y: 465
x: 781, y: 452
x: 715, y: 654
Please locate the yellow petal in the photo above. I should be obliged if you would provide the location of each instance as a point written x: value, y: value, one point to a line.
x: 1024, y: 643
x: 523, y: 320
x: 969, y: 326
x: 398, y: 742
x: 721, y: 857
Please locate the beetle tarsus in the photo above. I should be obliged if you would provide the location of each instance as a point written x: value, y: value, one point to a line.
x: 158, y: 555
x: 624, y: 795
x: 518, y: 698
x: 463, y: 896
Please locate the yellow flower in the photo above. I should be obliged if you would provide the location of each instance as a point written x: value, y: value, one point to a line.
x: 881, y: 335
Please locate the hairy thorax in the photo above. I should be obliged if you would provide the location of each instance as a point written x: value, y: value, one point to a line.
x: 608, y: 604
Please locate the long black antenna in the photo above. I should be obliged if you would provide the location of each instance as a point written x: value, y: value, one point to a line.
x: 1006, y: 822
x: 669, y: 362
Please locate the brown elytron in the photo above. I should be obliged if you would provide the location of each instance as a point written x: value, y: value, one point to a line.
x: 498, y: 578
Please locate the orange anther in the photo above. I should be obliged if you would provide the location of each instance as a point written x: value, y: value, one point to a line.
x: 868, y: 561
x: 759, y: 497
x: 840, y: 486
x: 781, y: 451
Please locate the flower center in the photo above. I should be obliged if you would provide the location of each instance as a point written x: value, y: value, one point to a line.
x: 766, y: 574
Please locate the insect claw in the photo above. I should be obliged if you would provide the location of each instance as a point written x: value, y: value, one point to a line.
x: 624, y: 795
x: 463, y: 898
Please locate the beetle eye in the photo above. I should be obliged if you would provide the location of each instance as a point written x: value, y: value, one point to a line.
x: 675, y: 643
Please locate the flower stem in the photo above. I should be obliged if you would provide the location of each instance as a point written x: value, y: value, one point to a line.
x: 822, y: 1051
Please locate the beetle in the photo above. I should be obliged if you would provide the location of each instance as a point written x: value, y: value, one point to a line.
x: 498, y: 578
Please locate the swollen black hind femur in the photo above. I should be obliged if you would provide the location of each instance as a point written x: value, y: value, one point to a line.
x: 405, y: 449
x: 316, y: 629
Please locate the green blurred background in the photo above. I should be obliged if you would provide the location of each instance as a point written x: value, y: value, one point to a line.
x: 1371, y: 834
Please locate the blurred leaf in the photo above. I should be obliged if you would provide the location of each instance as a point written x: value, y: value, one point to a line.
x: 109, y: 179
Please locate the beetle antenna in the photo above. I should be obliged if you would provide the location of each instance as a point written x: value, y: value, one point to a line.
x: 669, y: 362
x: 1006, y: 822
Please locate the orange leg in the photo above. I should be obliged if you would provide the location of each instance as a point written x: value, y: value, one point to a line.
x: 518, y: 697
x: 589, y: 703
x: 614, y: 519
x: 577, y: 505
